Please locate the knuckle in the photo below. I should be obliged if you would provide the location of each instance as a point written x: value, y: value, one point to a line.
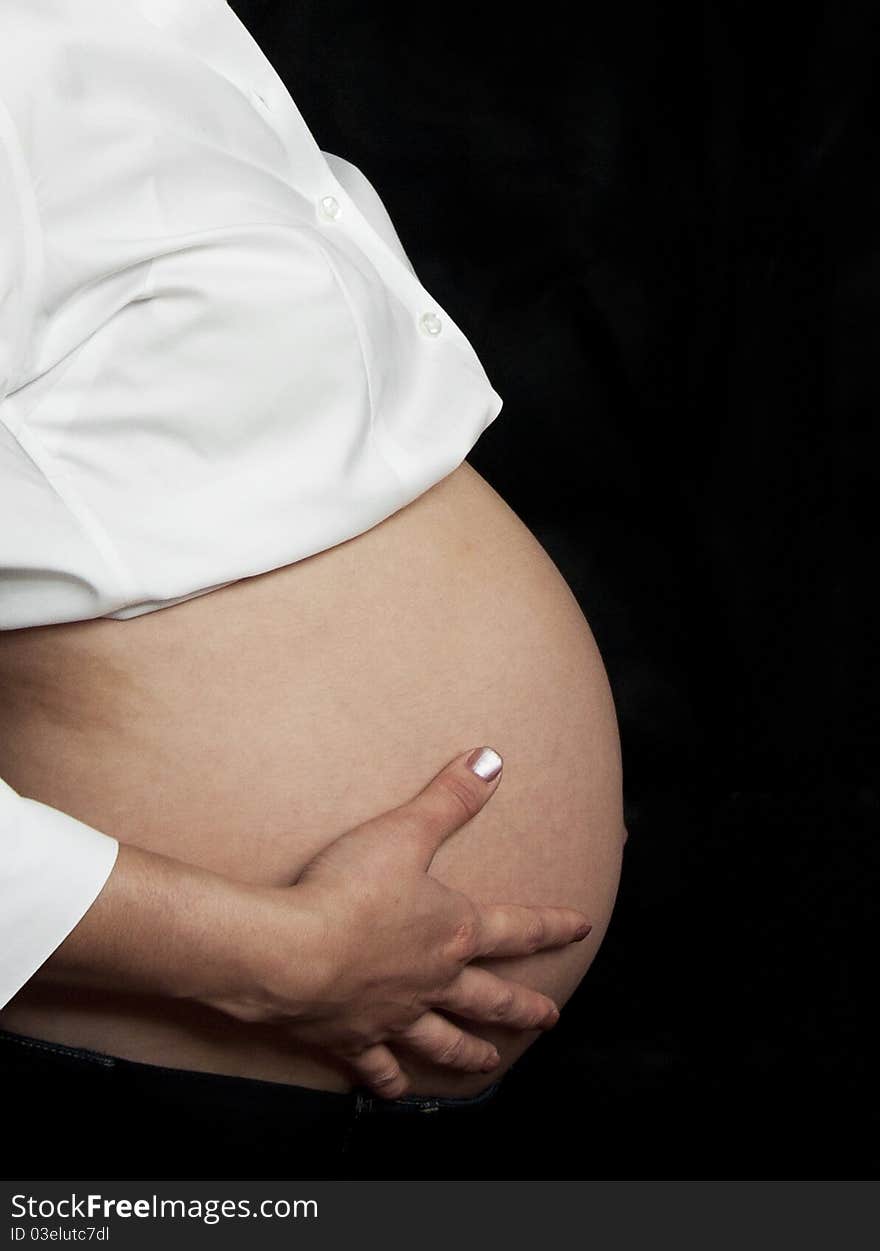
x: 451, y: 1051
x: 536, y: 933
x: 425, y: 1001
x: 464, y: 938
x: 398, y: 1028
x: 386, y: 1078
x: 503, y: 1004
x: 459, y: 795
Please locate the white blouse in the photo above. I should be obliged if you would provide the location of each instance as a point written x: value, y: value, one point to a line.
x: 215, y: 355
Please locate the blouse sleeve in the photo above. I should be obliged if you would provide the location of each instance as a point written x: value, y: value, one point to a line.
x: 52, y: 869
x: 52, y: 866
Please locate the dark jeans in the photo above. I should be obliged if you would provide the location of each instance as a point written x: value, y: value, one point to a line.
x: 72, y: 1113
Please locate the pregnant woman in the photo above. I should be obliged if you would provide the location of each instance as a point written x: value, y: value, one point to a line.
x: 253, y: 595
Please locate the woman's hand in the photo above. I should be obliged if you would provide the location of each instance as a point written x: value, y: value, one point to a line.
x: 367, y: 949
x: 363, y: 950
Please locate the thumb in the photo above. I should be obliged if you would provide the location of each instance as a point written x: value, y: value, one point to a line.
x: 452, y: 798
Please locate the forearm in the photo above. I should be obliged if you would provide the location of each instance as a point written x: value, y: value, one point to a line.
x: 162, y: 926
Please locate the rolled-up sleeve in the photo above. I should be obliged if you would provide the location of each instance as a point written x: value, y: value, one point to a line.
x: 52, y: 869
x: 52, y: 866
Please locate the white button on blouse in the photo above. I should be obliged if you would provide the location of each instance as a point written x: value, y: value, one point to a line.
x: 330, y: 207
x: 215, y: 355
x: 430, y: 323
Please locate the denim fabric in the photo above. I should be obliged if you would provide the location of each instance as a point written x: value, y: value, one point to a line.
x: 77, y: 1113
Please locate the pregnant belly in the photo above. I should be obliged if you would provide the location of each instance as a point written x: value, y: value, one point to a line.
x: 245, y: 729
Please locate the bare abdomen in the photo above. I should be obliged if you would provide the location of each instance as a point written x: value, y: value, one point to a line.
x: 244, y: 729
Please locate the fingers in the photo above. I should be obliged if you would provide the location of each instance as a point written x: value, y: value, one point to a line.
x: 438, y: 1040
x: 432, y: 1037
x: 483, y: 996
x: 379, y: 1071
x: 451, y: 799
x: 515, y: 930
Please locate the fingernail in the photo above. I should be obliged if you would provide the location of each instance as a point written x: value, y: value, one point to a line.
x: 485, y: 762
x: 494, y: 1059
x: 552, y: 1017
x: 581, y: 932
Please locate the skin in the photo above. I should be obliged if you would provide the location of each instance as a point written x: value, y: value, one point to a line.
x: 243, y: 732
x: 275, y: 955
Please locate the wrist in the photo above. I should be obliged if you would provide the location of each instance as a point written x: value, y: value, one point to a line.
x: 271, y: 964
x: 161, y: 926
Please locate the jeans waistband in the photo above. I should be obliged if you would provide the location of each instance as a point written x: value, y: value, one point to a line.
x: 363, y: 1101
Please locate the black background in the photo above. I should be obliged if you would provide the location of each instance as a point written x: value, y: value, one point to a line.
x: 658, y: 225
